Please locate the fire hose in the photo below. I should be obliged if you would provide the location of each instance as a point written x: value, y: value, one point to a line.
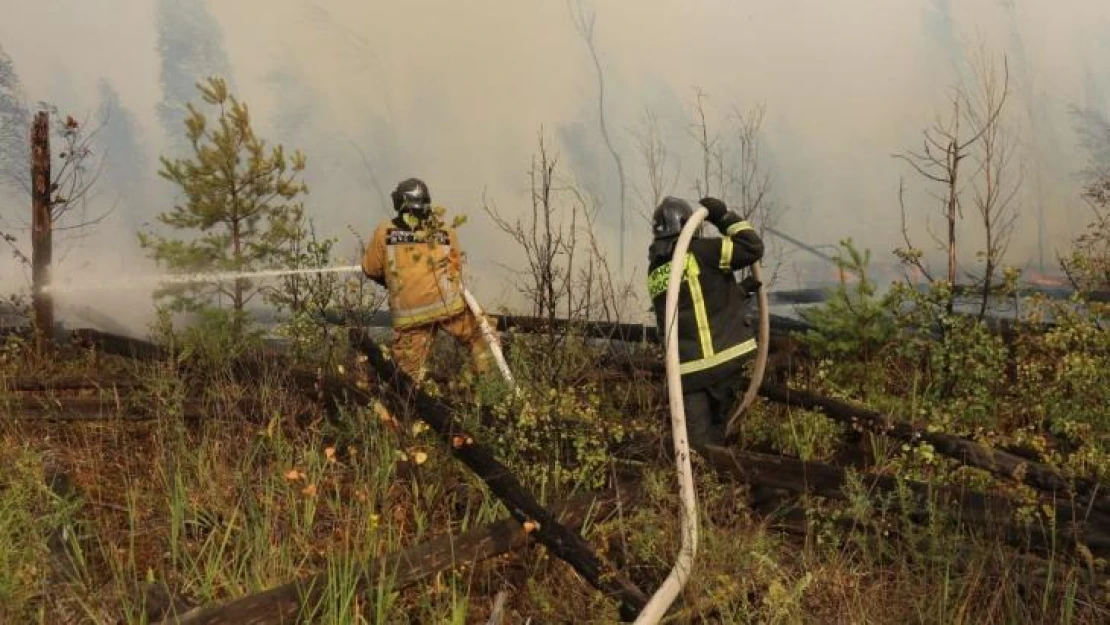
x: 661, y: 601
x: 759, y: 367
x: 491, y: 338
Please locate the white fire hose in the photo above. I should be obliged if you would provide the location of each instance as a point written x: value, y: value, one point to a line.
x: 663, y: 598
x: 491, y: 338
x: 680, y: 572
x: 763, y: 340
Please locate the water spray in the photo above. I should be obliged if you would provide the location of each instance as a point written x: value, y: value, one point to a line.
x: 140, y: 282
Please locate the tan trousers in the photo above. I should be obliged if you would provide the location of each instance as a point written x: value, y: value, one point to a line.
x: 411, y: 346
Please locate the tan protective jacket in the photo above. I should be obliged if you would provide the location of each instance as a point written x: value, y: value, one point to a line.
x: 422, y: 270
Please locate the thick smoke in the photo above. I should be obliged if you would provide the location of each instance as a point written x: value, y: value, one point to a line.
x: 190, y: 45
x: 15, y: 121
x: 457, y: 93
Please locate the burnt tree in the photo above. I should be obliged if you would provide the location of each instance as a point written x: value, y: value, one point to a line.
x: 402, y: 396
x: 42, y: 226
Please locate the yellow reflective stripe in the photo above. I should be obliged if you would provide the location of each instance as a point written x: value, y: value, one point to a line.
x: 413, y: 316
x: 726, y: 253
x: 705, y: 363
x: 657, y: 280
x: 737, y: 227
x: 706, y: 339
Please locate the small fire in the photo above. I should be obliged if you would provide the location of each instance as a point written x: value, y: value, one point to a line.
x: 1044, y: 280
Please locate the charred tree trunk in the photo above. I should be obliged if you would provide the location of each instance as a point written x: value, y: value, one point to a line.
x: 401, y: 395
x: 42, y: 227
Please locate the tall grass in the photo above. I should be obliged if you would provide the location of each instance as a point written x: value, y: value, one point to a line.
x: 244, y: 501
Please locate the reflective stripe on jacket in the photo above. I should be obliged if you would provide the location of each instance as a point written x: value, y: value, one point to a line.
x: 420, y: 268
x: 712, y: 330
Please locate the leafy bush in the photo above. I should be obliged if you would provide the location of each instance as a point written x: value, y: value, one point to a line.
x: 556, y: 439
x: 315, y: 307
x: 28, y: 514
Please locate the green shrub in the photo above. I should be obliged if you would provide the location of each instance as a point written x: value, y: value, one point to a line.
x: 854, y: 327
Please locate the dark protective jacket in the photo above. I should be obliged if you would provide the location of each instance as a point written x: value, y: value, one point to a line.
x: 713, y: 332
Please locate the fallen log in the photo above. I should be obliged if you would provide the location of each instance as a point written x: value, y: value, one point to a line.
x: 333, y: 392
x: 284, y: 604
x: 68, y: 383
x: 111, y: 409
x: 1039, y: 476
x: 118, y: 345
x: 330, y: 392
x: 524, y: 324
x: 401, y: 394
x: 1002, y: 463
x: 83, y: 405
x: 1071, y: 525
x: 1030, y: 573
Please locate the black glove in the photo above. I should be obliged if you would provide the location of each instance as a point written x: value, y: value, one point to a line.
x: 717, y: 209
x: 750, y: 285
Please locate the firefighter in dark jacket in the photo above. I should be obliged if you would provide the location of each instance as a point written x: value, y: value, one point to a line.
x: 713, y: 332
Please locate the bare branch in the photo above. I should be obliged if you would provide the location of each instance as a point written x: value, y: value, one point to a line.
x: 653, y: 151
x: 382, y: 195
x: 910, y: 256
x: 912, y: 159
x: 585, y: 27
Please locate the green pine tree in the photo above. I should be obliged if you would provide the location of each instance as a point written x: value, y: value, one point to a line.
x: 854, y: 324
x: 240, y: 195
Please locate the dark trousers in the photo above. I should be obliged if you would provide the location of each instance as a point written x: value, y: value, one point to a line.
x: 707, y: 411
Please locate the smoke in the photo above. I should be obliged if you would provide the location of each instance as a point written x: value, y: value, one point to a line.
x: 190, y: 45
x: 456, y: 93
x: 15, y: 120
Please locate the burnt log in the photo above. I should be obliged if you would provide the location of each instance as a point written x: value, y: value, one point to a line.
x: 400, y: 395
x: 331, y: 391
x: 1036, y: 475
x: 622, y: 332
x: 285, y: 604
x: 118, y: 345
x: 1031, y: 574
x: 111, y: 409
x: 42, y: 228
x: 68, y: 383
x: 1069, y: 525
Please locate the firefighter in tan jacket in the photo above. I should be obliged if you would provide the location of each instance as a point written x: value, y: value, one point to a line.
x: 419, y: 262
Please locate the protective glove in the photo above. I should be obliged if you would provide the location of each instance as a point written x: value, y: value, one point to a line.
x: 750, y: 285
x: 717, y: 209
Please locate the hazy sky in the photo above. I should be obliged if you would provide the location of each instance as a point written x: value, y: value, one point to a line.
x: 455, y: 92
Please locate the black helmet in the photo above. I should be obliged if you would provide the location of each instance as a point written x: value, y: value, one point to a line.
x: 411, y: 195
x: 670, y: 217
